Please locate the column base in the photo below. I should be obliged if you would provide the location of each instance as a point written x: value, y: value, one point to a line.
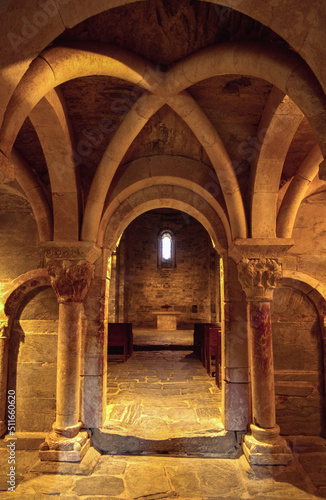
x: 61, y: 446
x: 266, y: 447
x: 3, y: 428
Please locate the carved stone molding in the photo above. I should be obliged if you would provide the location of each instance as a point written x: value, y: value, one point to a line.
x: 22, y: 290
x: 83, y: 250
x: 259, y: 278
x: 71, y: 253
x: 70, y: 281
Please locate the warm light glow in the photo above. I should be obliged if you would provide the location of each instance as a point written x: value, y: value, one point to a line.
x: 166, y: 247
x: 108, y: 271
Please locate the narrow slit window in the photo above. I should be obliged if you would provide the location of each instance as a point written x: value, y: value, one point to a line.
x: 166, y: 243
x: 166, y: 247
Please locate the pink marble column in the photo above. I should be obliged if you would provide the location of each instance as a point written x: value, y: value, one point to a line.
x: 66, y: 442
x: 262, y: 364
x: 264, y: 445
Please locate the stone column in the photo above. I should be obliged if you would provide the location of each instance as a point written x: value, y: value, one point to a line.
x: 264, y: 446
x: 70, y: 282
x: 3, y: 375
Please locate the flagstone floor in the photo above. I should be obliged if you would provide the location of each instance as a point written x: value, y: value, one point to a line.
x: 166, y: 390
x: 154, y: 478
x: 162, y: 395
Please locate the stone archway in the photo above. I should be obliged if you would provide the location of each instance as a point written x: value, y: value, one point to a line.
x: 12, y: 296
x: 299, y: 331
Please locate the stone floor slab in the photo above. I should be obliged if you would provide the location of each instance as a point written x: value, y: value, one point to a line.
x: 164, y: 406
x: 46, y: 484
x: 151, y: 481
x: 196, y: 479
x: 315, y: 466
x: 99, y: 485
x: 152, y: 478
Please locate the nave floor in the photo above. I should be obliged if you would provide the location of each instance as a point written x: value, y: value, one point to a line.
x: 162, y: 395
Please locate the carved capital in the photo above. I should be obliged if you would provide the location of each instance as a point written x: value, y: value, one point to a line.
x: 70, y: 281
x: 259, y: 278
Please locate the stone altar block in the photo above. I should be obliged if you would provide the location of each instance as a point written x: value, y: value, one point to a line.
x: 166, y: 320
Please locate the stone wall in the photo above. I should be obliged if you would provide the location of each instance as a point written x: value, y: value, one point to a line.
x: 192, y: 282
x: 33, y: 341
x: 32, y: 361
x: 308, y: 255
x: 19, y: 238
x: 298, y: 360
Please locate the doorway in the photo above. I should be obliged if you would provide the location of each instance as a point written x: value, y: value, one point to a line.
x: 162, y: 399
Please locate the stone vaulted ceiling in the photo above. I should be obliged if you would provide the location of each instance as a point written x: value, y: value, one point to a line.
x: 258, y: 133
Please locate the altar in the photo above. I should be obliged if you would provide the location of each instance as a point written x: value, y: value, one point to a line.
x: 166, y: 320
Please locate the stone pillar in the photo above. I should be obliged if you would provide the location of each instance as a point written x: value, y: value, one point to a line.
x: 235, y: 387
x: 264, y: 446
x: 3, y: 375
x: 113, y: 290
x: 70, y: 282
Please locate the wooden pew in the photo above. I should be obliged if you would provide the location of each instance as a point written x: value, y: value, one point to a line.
x: 207, y: 346
x: 120, y: 335
x: 212, y: 349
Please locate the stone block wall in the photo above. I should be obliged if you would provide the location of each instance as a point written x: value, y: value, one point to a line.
x: 298, y: 360
x: 33, y: 361
x: 193, y: 282
x: 18, y: 238
x: 33, y: 341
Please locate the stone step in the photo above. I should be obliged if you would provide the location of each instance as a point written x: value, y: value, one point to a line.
x: 221, y: 444
x: 25, y: 440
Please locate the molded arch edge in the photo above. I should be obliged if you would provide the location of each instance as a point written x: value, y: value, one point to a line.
x: 75, y: 12
x: 179, y: 171
x: 61, y: 64
x: 35, y: 195
x: 56, y: 139
x: 128, y: 130
x: 283, y: 68
x: 310, y: 286
x: 15, y: 292
x: 278, y: 66
x: 296, y: 192
x: 156, y: 197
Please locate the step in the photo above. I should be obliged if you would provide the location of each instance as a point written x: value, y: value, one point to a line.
x: 220, y: 444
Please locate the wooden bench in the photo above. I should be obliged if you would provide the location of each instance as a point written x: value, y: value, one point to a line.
x: 207, y: 347
x: 120, y: 335
x: 212, y: 346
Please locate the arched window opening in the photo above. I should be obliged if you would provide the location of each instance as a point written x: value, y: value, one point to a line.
x: 166, y: 249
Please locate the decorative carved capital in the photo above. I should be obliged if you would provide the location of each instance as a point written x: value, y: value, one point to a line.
x: 259, y: 278
x: 70, y: 281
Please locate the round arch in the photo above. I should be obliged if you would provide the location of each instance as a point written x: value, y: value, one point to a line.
x: 69, y: 14
x: 309, y: 286
x: 162, y: 197
x: 20, y: 287
x: 11, y: 298
x: 198, y: 192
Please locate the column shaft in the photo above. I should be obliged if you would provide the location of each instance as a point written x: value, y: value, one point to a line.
x: 68, y: 365
x: 70, y: 282
x: 264, y: 445
x: 262, y: 365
